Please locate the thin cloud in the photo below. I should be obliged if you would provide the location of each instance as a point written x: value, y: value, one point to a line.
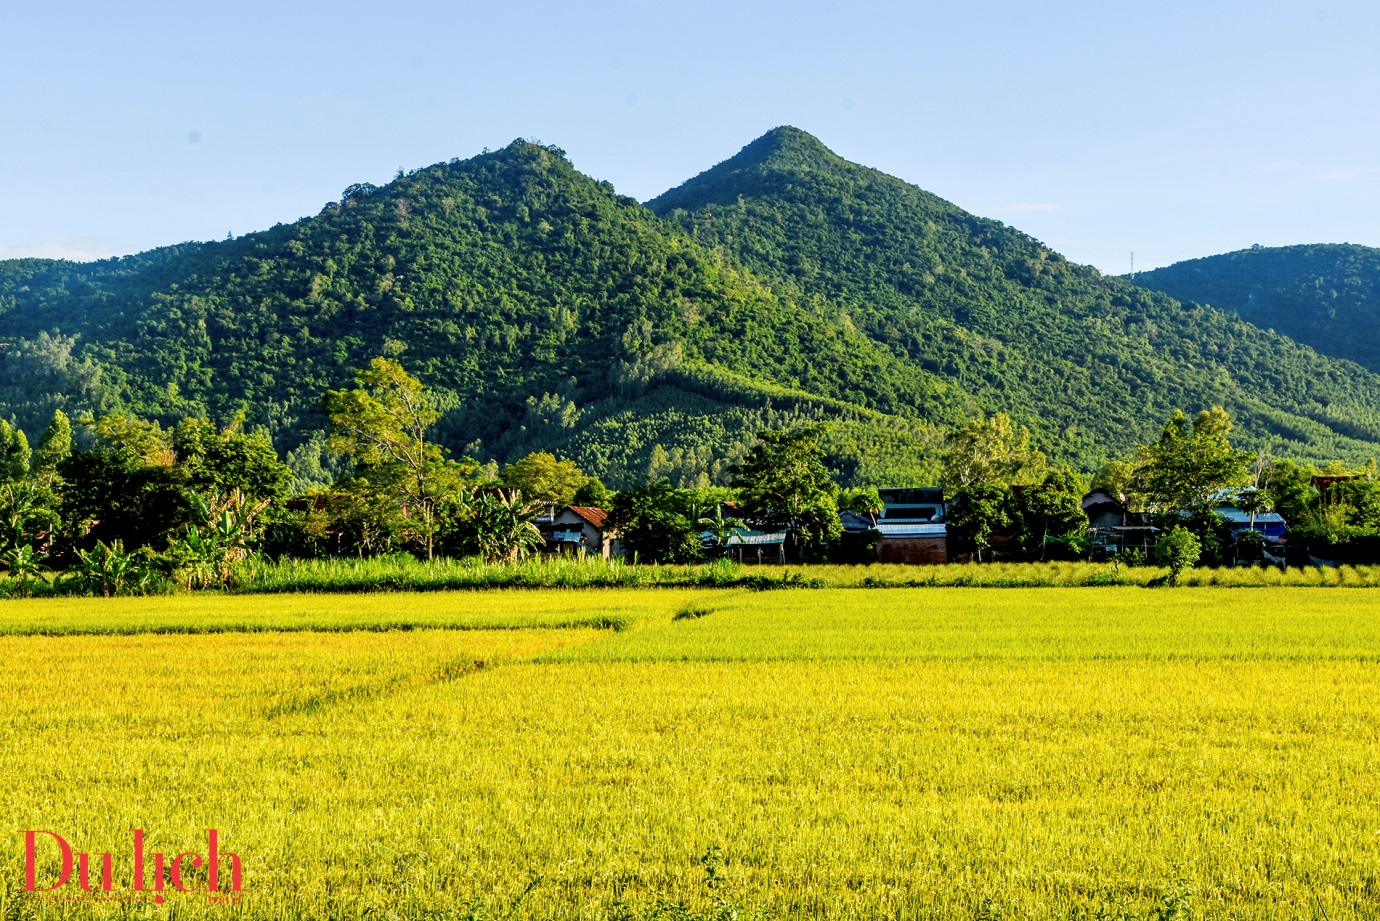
x: 1347, y: 175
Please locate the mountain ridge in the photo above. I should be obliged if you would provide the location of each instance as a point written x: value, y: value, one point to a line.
x: 1325, y: 295
x: 548, y: 312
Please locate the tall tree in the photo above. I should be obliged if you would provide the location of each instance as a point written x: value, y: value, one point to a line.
x: 14, y: 453
x: 979, y: 510
x: 653, y: 526
x: 1191, y: 462
x: 383, y: 424
x: 55, y: 445
x: 543, y: 477
x: 784, y: 485
x: 991, y: 450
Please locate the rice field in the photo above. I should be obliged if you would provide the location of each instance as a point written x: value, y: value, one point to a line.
x: 1048, y: 753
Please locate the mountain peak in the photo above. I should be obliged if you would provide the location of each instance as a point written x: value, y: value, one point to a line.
x: 782, y: 149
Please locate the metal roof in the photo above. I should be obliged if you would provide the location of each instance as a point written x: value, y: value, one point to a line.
x: 757, y: 537
x: 1236, y: 516
x: 912, y: 529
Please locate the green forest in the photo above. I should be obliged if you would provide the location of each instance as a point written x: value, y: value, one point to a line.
x: 1326, y: 296
x: 546, y: 312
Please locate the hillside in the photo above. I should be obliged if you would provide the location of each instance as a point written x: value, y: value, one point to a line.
x: 1326, y: 296
x: 1091, y: 362
x: 547, y: 311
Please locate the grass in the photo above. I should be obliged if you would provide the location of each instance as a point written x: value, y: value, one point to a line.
x: 402, y: 572
x: 212, y: 613
x: 903, y: 753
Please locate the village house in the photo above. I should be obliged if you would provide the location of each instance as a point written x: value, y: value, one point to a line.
x: 758, y: 547
x: 912, y: 526
x: 578, y: 529
x: 1114, y: 529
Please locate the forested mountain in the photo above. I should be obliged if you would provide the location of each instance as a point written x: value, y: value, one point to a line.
x: 1092, y: 363
x: 550, y: 313
x: 1324, y: 295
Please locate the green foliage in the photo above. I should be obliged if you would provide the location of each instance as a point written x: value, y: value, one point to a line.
x: 382, y: 424
x: 543, y: 477
x: 14, y: 453
x: 23, y: 563
x: 1087, y: 362
x: 55, y: 445
x: 593, y: 492
x: 991, y: 451
x: 107, y: 570
x: 784, y: 485
x: 720, y: 527
x: 978, y: 511
x: 501, y: 527
x: 863, y: 501
x: 1324, y: 296
x: 1049, y: 516
x: 547, y: 313
x: 1178, y: 549
x: 537, y: 305
x: 653, y: 524
x: 1190, y: 462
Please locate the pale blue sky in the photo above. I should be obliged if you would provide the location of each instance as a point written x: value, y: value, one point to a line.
x: 1175, y: 129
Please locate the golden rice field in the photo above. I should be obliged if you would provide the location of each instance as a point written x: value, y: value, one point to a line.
x: 892, y: 753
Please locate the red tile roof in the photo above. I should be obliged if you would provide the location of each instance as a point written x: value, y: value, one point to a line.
x: 595, y: 516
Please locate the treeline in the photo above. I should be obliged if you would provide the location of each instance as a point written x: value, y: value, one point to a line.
x: 141, y: 507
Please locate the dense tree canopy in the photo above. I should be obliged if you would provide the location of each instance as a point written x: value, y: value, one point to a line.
x: 545, y: 312
x: 1324, y: 296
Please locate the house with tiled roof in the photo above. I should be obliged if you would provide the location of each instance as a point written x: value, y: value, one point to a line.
x: 579, y: 528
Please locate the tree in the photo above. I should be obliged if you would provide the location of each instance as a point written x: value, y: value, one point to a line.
x: 863, y: 501
x: 14, y: 453
x: 977, y: 511
x: 220, y: 462
x: 991, y: 450
x: 1191, y: 462
x: 653, y: 526
x: 1179, y: 550
x: 542, y: 477
x: 1254, y: 502
x: 1117, y: 478
x: 28, y: 514
x: 382, y: 424
x: 784, y: 485
x: 1050, y: 513
x: 593, y: 493
x: 23, y: 563
x: 55, y: 446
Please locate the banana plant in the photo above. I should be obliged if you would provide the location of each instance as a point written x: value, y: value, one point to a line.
x: 221, y: 536
x: 23, y: 563
x: 721, y: 527
x: 107, y: 570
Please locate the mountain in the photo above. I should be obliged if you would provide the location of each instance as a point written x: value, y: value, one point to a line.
x: 1326, y: 295
x: 1092, y: 363
x: 550, y: 313
x: 546, y: 310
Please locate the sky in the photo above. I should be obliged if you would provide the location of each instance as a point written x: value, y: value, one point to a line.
x: 1172, y: 129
